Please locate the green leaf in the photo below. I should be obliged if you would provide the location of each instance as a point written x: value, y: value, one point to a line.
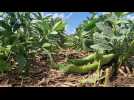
x: 100, y: 46
x: 54, y: 33
x: 5, y: 25
x: 59, y: 26
x: 21, y: 60
x: 88, y: 24
x: 1, y: 13
x: 37, y: 15
x: 84, y: 33
x: 4, y: 66
x: 76, y: 37
x: 119, y: 14
x: 46, y: 45
x: 104, y: 28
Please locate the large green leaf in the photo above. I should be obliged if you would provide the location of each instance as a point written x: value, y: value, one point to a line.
x: 59, y: 26
x: 104, y: 28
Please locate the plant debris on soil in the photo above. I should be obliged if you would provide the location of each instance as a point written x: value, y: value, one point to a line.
x: 40, y: 75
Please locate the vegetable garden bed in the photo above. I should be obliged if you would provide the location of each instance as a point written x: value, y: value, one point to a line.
x: 35, y: 51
